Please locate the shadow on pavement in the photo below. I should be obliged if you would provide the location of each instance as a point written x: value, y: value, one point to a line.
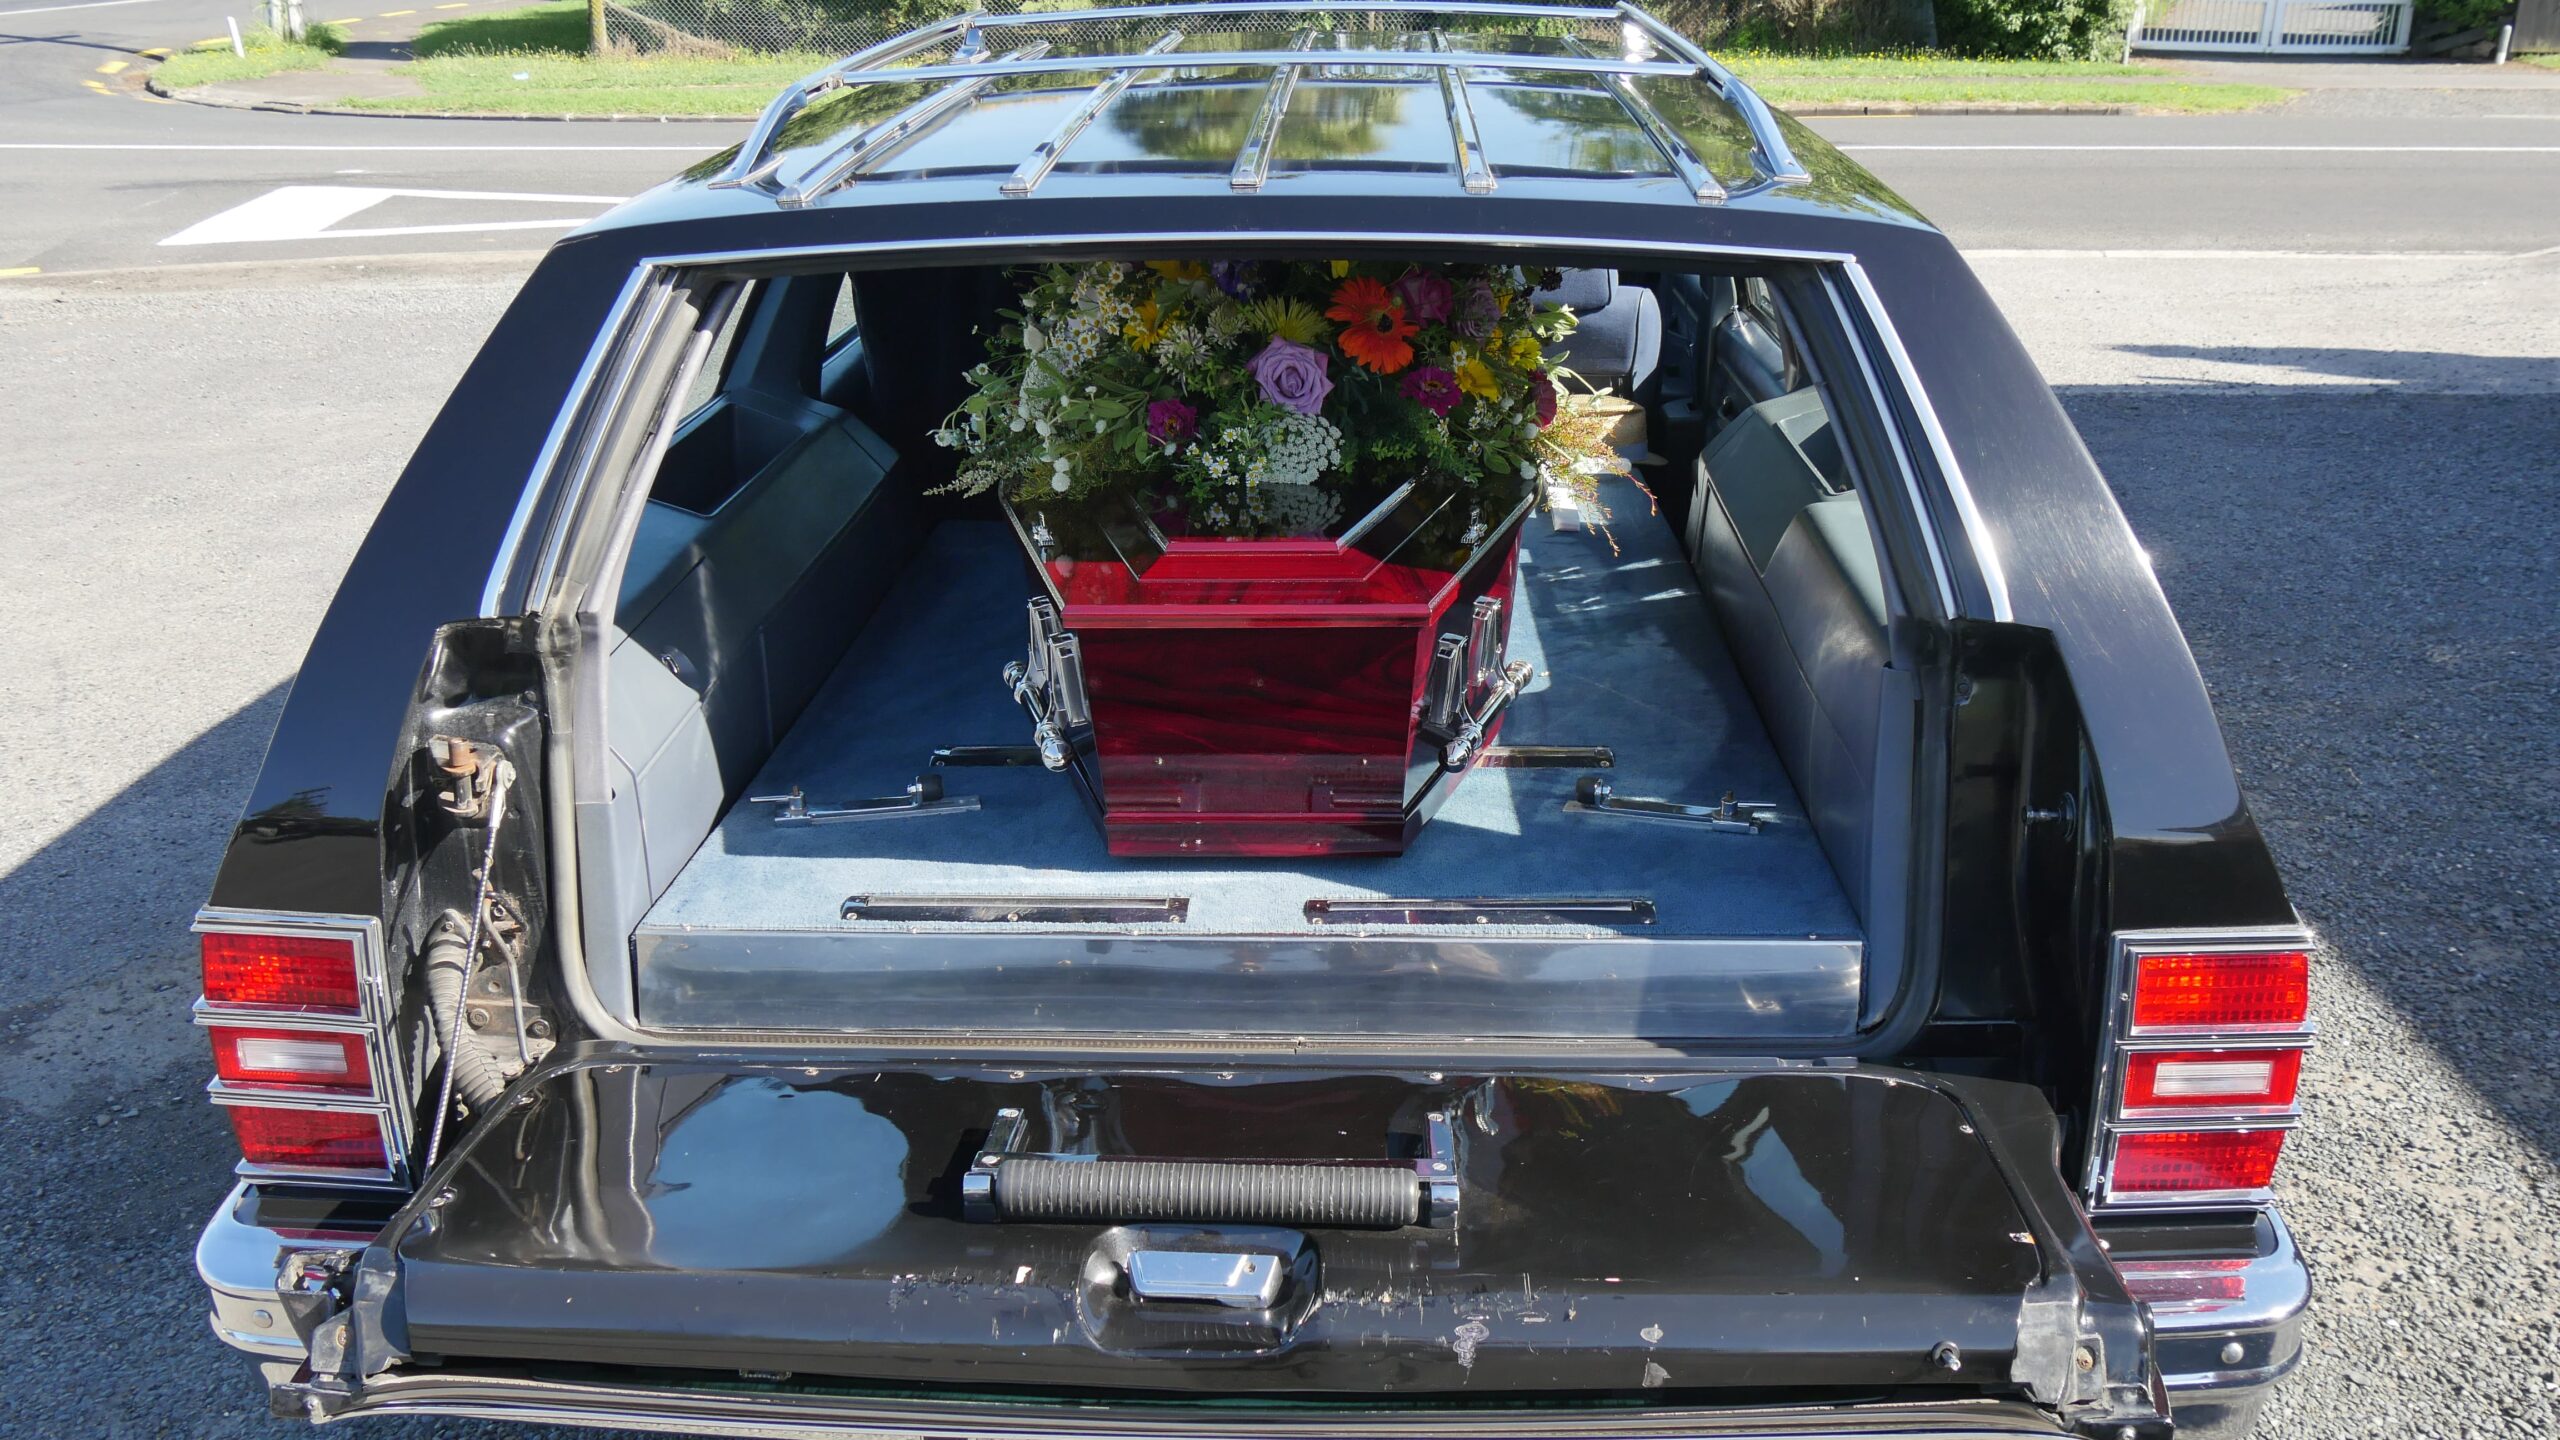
x: 2367, y: 580
x: 2433, y: 370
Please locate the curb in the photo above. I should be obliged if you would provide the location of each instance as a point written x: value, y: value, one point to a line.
x: 1822, y: 112
x: 213, y: 97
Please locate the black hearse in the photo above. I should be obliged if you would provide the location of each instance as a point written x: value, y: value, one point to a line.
x: 669, y: 974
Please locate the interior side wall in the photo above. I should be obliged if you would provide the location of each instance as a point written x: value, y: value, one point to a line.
x: 795, y: 496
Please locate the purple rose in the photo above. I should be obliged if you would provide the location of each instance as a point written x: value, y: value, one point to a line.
x: 1477, y: 311
x: 1292, y: 376
x: 1426, y: 295
x: 1543, y: 390
x: 1170, y: 422
x: 1432, y: 388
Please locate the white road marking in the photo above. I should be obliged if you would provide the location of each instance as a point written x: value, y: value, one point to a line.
x: 309, y: 212
x: 2367, y: 256
x: 84, y: 5
x: 1855, y: 148
x: 373, y: 149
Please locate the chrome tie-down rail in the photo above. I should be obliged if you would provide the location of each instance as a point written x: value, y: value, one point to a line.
x: 1048, y: 683
x: 1592, y: 796
x: 924, y: 797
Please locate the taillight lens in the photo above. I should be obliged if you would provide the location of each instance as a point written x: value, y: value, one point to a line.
x: 315, y: 1058
x: 2169, y: 1081
x: 2171, y: 1163
x: 2186, y: 1285
x: 315, y: 973
x: 309, y: 1139
x: 2264, y: 990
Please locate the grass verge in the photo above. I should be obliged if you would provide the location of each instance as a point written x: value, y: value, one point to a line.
x: 1926, y: 79
x: 265, y: 53
x: 533, y: 61
x: 2547, y: 62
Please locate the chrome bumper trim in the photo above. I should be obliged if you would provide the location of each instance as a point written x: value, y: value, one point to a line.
x: 237, y: 1262
x: 805, y: 1417
x: 2219, y: 1362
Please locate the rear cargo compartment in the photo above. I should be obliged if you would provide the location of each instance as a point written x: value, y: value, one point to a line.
x: 1748, y: 933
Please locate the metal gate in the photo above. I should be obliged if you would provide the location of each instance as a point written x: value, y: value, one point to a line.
x: 2277, y: 27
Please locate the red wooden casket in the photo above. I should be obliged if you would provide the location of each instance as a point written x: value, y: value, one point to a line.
x: 1276, y: 697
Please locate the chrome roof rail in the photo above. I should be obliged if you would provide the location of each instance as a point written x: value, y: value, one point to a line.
x: 848, y: 160
x: 1773, y: 156
x: 1693, y: 172
x: 1475, y: 170
x: 969, y: 71
x: 755, y: 160
x: 1044, y: 156
x: 1253, y: 158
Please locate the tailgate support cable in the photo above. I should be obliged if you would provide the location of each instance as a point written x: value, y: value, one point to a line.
x: 452, y: 1037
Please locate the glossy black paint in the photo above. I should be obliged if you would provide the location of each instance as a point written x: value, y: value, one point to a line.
x: 2183, y: 849
x: 1760, y: 1230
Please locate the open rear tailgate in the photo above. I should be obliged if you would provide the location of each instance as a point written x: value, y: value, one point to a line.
x: 1784, y: 1234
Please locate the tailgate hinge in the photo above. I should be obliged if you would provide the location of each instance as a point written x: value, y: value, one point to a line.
x: 336, y: 1302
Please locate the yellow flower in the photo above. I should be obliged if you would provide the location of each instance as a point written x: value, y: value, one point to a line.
x: 1285, y: 319
x: 1476, y: 378
x: 1341, y: 268
x: 1179, y: 269
x: 1148, y: 328
x: 1526, y: 352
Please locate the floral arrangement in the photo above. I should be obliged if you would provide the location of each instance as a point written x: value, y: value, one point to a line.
x: 1253, y: 396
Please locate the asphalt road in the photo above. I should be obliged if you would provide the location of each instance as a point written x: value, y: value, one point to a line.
x: 2326, y: 381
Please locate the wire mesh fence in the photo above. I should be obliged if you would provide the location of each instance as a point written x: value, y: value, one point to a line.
x: 840, y: 27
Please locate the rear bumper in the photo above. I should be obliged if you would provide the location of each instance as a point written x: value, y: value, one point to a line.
x: 2221, y: 1363
x: 798, y: 1416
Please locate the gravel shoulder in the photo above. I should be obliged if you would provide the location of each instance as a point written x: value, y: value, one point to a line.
x: 2363, y: 547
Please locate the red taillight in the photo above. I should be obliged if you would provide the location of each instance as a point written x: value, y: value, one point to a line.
x: 2262, y: 990
x: 2171, y: 1081
x: 282, y: 972
x: 309, y: 1139
x: 316, y: 1058
x: 2173, y: 1163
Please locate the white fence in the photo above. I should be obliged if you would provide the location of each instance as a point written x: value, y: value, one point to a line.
x: 2277, y: 27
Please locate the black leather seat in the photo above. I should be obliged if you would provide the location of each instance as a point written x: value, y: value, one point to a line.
x: 1618, y: 345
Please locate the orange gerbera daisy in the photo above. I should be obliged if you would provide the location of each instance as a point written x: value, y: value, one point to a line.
x: 1374, y: 330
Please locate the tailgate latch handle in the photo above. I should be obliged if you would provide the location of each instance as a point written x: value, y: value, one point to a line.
x: 1005, y: 1183
x: 1248, y: 1282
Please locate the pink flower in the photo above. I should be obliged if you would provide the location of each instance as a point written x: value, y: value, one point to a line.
x: 1426, y: 295
x: 1432, y: 388
x: 1543, y: 390
x: 1292, y: 376
x: 1170, y: 422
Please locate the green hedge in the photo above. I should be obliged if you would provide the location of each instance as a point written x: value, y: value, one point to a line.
x: 2035, y: 29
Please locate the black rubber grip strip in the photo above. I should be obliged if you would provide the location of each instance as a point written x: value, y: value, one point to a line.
x: 1207, y: 1192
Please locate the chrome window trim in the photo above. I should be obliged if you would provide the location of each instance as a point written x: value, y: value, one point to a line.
x: 376, y: 1017
x: 493, y: 593
x: 1986, y: 552
x: 1921, y: 515
x: 2105, y: 1118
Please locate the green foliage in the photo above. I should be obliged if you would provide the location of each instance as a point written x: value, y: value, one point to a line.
x: 2034, y: 29
x: 2464, y: 14
x: 267, y: 53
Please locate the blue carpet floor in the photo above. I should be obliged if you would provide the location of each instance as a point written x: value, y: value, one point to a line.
x: 1627, y: 655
